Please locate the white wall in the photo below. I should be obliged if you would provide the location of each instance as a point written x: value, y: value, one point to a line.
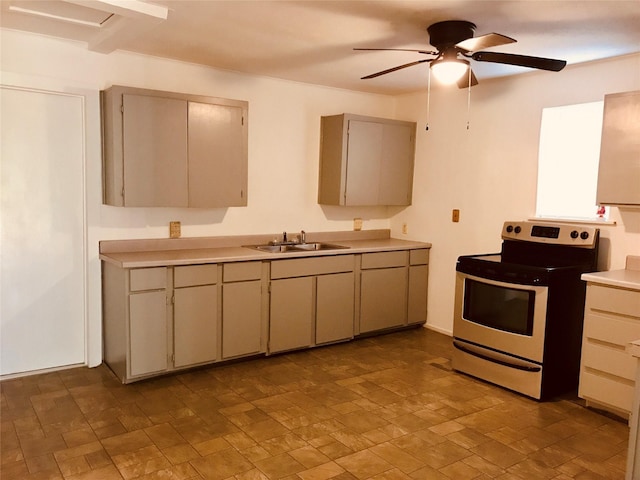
x: 284, y: 128
x: 490, y: 171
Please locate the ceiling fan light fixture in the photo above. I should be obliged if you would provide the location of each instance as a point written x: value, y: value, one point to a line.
x: 449, y: 71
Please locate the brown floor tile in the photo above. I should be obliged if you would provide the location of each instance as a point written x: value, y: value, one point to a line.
x: 279, y: 466
x: 221, y: 465
x: 326, y: 471
x: 182, y: 453
x: 380, y: 408
x: 404, y: 461
x: 364, y: 464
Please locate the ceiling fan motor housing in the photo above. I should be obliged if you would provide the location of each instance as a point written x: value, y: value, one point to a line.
x: 444, y: 35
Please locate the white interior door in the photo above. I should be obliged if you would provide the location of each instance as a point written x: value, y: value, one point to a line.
x: 42, y: 230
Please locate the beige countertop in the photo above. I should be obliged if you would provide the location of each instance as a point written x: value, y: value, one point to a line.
x: 615, y: 278
x: 166, y: 252
x: 626, y: 278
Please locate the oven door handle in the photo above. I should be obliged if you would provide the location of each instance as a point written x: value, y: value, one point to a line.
x: 496, y: 357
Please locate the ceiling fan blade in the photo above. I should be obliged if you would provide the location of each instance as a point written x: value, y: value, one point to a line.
x: 484, y: 41
x: 464, y: 80
x: 400, y: 67
x: 428, y: 52
x: 520, y: 60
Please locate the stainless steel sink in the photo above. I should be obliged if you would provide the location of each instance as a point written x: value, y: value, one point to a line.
x: 272, y: 248
x: 296, y: 247
x: 317, y: 246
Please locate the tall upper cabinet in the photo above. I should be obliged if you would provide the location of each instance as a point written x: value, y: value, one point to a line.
x: 165, y: 149
x: 366, y: 161
x: 619, y: 169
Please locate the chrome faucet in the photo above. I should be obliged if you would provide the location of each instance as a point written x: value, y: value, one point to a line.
x: 303, y: 236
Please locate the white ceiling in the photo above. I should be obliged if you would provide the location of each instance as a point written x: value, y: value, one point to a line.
x: 312, y: 41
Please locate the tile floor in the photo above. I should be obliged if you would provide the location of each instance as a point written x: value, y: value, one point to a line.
x: 384, y: 408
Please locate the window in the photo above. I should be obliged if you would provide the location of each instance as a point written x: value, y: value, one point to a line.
x: 568, y: 159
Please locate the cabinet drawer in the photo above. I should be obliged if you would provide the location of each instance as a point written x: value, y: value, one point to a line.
x: 241, y: 271
x: 302, y: 267
x: 384, y: 259
x: 147, y: 279
x: 616, y: 300
x: 419, y: 257
x: 608, y: 359
x: 619, y: 331
x: 605, y: 390
x: 192, y: 275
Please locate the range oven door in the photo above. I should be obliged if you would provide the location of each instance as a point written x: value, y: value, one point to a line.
x: 505, y: 317
x: 499, y: 331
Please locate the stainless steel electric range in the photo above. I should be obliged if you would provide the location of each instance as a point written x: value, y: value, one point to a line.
x: 518, y: 313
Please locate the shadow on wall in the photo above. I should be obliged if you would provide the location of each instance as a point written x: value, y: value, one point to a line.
x: 604, y: 254
x: 630, y: 218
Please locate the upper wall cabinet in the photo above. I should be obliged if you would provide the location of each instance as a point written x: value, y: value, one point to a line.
x: 619, y: 169
x: 366, y: 161
x: 164, y: 149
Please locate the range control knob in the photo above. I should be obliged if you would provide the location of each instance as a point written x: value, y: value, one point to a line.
x: 517, y: 229
x: 584, y: 235
x: 574, y: 234
x: 509, y: 228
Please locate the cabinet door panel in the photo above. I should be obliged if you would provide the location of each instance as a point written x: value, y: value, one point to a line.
x: 217, y: 164
x: 148, y: 332
x: 155, y: 151
x: 396, y: 165
x: 195, y: 325
x: 241, y: 318
x: 291, y: 314
x: 619, y: 167
x: 364, y: 158
x: 383, y: 299
x: 417, y: 308
x: 334, y: 307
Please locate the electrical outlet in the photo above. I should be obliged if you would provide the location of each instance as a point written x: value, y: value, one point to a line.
x: 455, y: 215
x: 357, y: 224
x: 405, y: 228
x: 174, y: 229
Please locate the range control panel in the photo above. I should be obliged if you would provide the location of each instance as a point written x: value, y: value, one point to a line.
x: 555, y: 233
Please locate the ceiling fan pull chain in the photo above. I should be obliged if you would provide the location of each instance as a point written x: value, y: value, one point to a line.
x: 469, y: 99
x: 428, y: 97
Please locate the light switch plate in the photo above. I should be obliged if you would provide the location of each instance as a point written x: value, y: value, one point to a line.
x: 174, y: 230
x: 455, y: 215
x: 357, y: 224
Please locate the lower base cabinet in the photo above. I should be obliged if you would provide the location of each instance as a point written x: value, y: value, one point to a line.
x: 195, y: 325
x: 160, y: 319
x: 195, y: 315
x: 418, y: 284
x: 148, y: 332
x: 242, y: 324
x: 312, y: 301
x: 335, y: 298
x: 607, y: 370
x: 136, y: 321
x: 393, y: 289
x: 242, y: 309
x: 291, y: 314
x: 383, y: 299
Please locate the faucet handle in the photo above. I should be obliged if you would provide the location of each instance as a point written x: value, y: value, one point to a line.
x: 284, y: 236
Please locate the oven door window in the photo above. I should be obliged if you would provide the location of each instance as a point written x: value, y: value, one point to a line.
x: 503, y: 308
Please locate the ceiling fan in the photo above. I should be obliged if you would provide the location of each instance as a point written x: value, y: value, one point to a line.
x: 455, y: 42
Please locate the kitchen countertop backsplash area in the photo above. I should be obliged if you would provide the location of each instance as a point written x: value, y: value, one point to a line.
x: 629, y: 277
x: 190, y: 250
